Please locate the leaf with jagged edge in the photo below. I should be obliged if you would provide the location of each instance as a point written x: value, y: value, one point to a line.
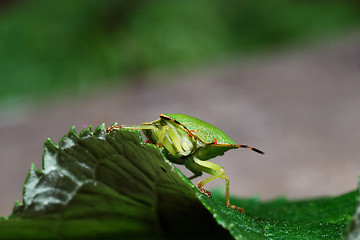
x: 98, y: 185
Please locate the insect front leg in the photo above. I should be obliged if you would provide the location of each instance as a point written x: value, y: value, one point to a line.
x: 193, y: 167
x: 162, y: 136
x: 217, y: 172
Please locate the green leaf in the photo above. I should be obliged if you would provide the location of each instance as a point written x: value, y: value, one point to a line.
x: 354, y: 230
x: 114, y: 186
x: 98, y: 185
x: 284, y: 219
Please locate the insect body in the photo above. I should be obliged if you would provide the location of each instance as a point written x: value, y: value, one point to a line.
x: 191, y: 141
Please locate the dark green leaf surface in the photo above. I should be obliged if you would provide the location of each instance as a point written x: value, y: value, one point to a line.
x: 113, y: 186
x: 322, y: 218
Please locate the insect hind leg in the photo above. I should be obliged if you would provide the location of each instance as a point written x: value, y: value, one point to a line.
x: 217, y: 172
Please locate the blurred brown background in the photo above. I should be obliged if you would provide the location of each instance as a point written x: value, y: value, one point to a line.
x: 283, y: 76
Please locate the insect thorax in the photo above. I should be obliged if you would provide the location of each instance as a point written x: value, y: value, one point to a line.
x: 177, y: 140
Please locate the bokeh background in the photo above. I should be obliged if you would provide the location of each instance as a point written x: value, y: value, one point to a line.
x: 280, y: 75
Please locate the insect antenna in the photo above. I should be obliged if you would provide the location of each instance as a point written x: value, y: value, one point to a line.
x: 251, y: 148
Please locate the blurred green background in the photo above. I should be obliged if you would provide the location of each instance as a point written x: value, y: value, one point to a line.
x: 55, y: 47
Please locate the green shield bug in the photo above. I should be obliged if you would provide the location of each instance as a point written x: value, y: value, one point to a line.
x: 191, y: 141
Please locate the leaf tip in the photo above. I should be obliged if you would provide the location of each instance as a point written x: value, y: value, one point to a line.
x: 100, y: 130
x: 87, y: 132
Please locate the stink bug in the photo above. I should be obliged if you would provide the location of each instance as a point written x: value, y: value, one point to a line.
x: 191, y: 141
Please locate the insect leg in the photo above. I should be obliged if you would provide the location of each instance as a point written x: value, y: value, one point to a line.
x: 217, y: 172
x: 161, y: 136
x: 142, y: 127
x: 159, y: 133
x: 134, y: 127
x: 193, y: 167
